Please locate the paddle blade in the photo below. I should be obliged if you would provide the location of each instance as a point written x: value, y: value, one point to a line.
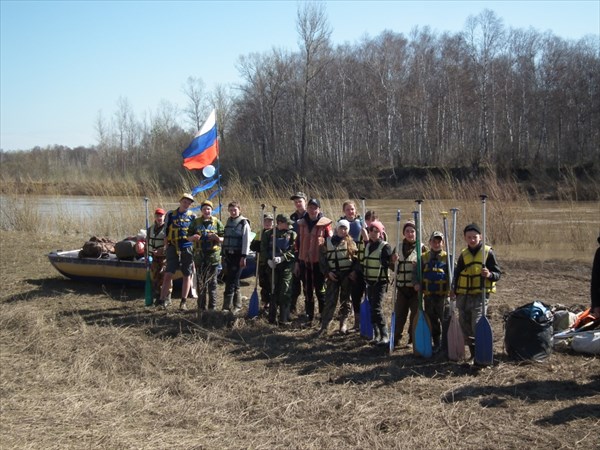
x: 484, y: 342
x: 148, y: 293
x: 392, y: 333
x: 456, y: 340
x: 422, y: 336
x: 253, y: 307
x: 366, y: 327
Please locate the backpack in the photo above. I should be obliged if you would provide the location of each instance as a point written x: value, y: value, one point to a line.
x: 528, y: 332
x: 125, y: 249
x: 97, y: 248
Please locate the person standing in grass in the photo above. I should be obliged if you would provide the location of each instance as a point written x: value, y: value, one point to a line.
x: 339, y: 263
x: 357, y: 283
x: 407, y: 299
x: 376, y: 260
x: 156, y: 236
x: 471, y: 273
x: 435, y: 286
x: 178, y: 251
x: 206, y: 232
x: 264, y: 272
x: 313, y: 229
x: 280, y: 264
x: 299, y: 199
x: 236, y: 246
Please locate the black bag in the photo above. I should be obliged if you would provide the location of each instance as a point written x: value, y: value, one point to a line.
x: 528, y: 332
x: 126, y: 250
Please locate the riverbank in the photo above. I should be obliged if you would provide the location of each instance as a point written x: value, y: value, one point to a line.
x: 90, y: 366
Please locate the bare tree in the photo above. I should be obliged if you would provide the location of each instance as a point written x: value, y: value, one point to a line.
x: 195, y: 109
x: 314, y: 34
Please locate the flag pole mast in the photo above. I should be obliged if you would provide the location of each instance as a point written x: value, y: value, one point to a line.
x: 219, y: 169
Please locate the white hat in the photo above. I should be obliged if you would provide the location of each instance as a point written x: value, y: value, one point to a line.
x: 141, y: 234
x: 343, y: 223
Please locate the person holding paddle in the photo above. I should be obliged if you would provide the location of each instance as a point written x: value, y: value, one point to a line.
x: 467, y: 284
x: 280, y: 252
x: 264, y: 271
x: 207, y: 233
x: 435, y: 285
x: 376, y: 260
x: 339, y: 263
x: 407, y: 299
x: 178, y: 251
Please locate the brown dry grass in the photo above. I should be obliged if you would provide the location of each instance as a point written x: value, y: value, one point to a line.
x: 89, y: 367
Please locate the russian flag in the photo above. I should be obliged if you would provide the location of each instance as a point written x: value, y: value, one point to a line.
x: 204, y: 147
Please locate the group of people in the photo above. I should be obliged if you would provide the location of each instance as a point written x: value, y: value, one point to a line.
x: 330, y: 263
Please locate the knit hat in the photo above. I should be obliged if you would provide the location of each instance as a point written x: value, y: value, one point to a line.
x: 410, y: 223
x: 343, y: 223
x: 472, y: 227
x: 377, y: 224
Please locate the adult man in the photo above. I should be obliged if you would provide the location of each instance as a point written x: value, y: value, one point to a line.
x: 313, y: 229
x: 178, y: 250
x: 236, y: 246
x: 299, y: 199
x: 156, y: 236
x: 207, y: 234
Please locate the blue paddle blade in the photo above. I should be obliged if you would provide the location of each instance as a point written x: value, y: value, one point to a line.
x: 253, y: 307
x: 484, y: 342
x: 366, y: 327
x: 422, y: 338
x: 392, y: 332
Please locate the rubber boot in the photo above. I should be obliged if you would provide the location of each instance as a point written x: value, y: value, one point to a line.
x: 237, y: 301
x: 343, y: 326
x: 284, y: 315
x: 385, y: 336
x: 227, y: 300
x: 356, y: 326
x: 376, y: 335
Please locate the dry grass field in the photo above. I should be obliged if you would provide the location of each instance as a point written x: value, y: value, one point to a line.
x: 86, y: 366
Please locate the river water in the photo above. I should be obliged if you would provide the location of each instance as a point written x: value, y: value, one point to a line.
x: 534, y: 230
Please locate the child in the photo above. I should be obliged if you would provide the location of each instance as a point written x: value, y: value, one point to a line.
x: 207, y: 233
x: 264, y: 280
x: 156, y: 236
x: 407, y: 299
x: 374, y: 266
x: 236, y: 246
x: 469, y: 277
x: 339, y: 265
x: 435, y: 285
x: 280, y: 264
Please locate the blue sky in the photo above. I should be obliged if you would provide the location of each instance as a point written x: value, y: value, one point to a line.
x: 61, y: 62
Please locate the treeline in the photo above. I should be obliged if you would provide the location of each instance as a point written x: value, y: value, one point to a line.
x: 489, y: 96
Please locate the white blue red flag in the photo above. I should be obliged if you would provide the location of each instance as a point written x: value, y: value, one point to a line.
x: 204, y: 148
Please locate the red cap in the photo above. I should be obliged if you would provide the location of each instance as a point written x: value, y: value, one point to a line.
x: 160, y: 211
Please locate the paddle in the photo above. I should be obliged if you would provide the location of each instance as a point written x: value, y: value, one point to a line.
x: 456, y: 340
x: 366, y: 327
x: 273, y: 301
x: 148, y: 293
x: 393, y: 321
x: 422, y: 333
x: 253, y: 306
x: 484, y: 341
